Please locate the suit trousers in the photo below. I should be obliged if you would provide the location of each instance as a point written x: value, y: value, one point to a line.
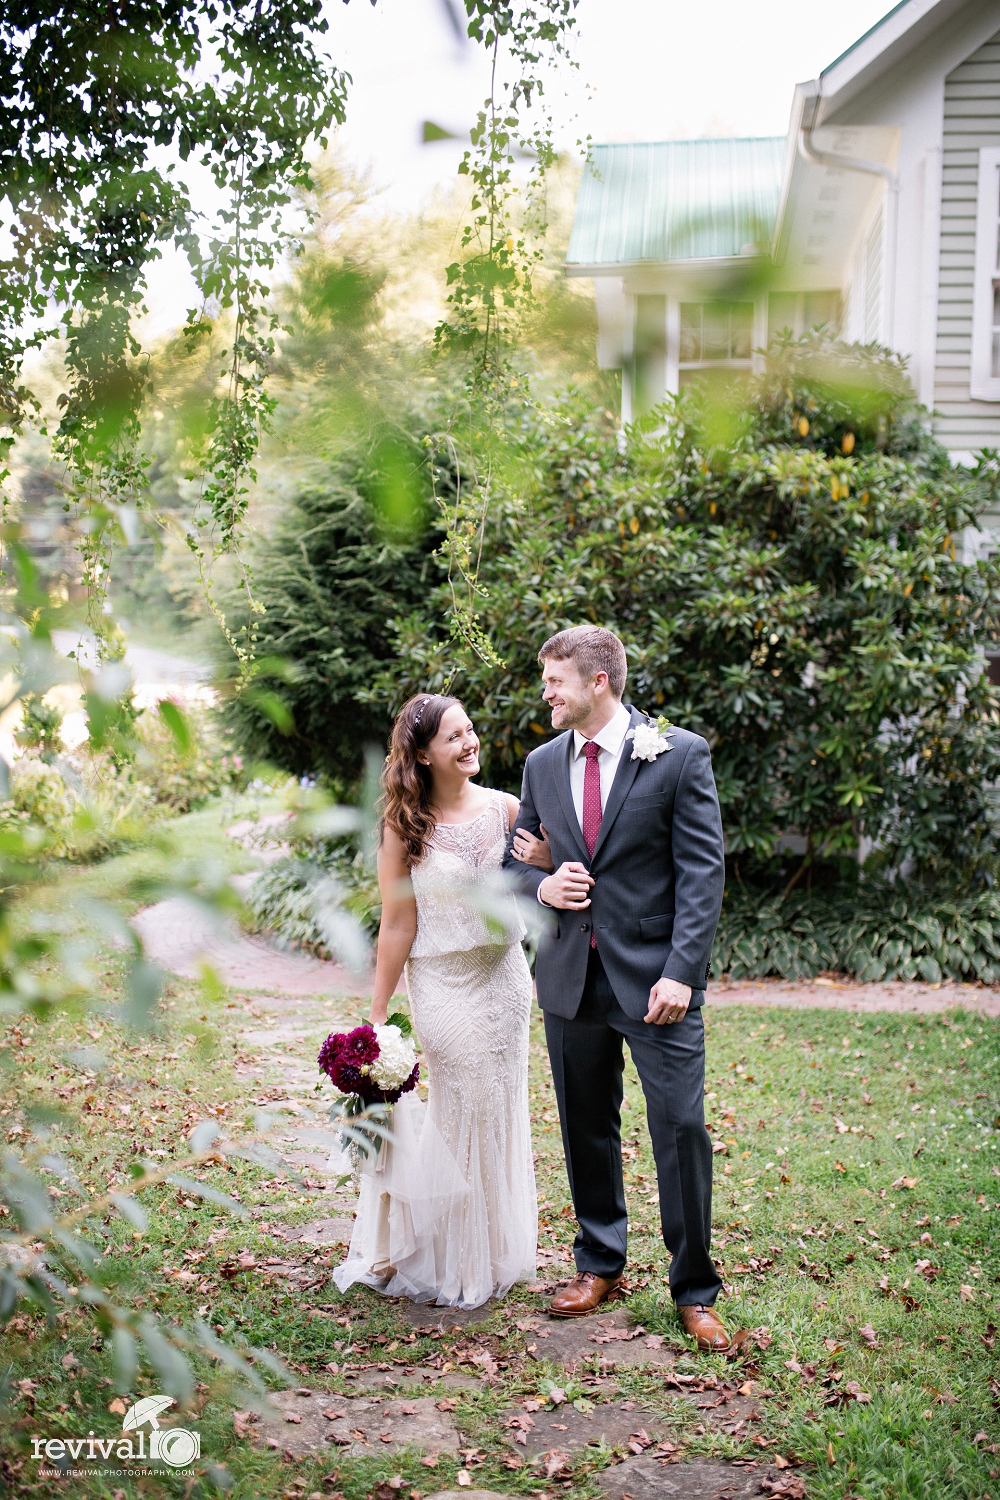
x: 588, y: 1064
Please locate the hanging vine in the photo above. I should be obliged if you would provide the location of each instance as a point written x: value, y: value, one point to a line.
x: 490, y: 284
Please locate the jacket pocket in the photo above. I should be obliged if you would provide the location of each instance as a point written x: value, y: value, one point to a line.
x: 644, y: 804
x: 656, y: 927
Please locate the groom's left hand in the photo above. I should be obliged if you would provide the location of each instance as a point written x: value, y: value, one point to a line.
x: 668, y: 1002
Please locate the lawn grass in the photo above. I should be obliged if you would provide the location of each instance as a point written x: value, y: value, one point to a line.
x: 857, y: 1287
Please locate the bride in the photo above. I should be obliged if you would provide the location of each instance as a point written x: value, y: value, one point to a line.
x: 447, y: 1213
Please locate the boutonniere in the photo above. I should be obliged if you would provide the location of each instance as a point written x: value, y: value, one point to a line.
x: 650, y: 739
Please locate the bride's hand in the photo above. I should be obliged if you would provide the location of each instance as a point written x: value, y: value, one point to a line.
x: 530, y: 850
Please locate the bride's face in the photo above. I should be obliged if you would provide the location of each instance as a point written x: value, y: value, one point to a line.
x: 454, y: 750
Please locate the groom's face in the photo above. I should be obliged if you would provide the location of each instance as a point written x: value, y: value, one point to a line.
x: 570, y: 699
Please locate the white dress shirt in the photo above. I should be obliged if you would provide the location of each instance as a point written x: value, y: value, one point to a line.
x: 612, y: 742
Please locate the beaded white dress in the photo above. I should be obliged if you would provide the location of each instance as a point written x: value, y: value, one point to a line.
x: 448, y: 1212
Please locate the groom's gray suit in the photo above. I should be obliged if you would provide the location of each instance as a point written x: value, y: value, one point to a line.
x: 658, y: 868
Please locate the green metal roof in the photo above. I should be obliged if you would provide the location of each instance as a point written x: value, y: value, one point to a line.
x: 676, y: 200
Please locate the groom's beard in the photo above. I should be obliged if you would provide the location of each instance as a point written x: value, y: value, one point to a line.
x: 572, y: 714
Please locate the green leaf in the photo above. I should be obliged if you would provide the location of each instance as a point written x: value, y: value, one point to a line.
x: 176, y: 722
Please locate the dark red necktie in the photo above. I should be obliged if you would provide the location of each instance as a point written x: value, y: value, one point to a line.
x: 591, y: 806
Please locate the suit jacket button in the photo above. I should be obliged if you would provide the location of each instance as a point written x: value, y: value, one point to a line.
x: 584, y: 927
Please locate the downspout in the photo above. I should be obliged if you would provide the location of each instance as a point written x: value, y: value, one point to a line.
x: 819, y: 158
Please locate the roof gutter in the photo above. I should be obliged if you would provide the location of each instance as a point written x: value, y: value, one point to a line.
x: 819, y: 158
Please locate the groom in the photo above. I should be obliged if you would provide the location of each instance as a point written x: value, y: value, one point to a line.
x: 636, y: 891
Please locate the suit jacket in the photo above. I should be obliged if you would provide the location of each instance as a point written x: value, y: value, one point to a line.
x: 658, y: 868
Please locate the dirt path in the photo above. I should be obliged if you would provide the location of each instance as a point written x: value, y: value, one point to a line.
x: 181, y: 939
x: 847, y: 994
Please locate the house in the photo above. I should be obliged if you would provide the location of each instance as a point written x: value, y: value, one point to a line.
x: 879, y: 213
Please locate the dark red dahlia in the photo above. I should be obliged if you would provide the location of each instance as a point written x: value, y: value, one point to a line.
x: 330, y: 1052
x: 360, y: 1046
x: 343, y: 1056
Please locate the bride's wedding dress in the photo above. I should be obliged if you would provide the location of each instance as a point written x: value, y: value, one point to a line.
x: 448, y: 1212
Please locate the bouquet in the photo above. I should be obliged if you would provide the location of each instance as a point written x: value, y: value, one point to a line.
x: 372, y: 1066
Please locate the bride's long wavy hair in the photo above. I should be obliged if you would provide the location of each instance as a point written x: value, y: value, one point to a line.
x: 406, y: 784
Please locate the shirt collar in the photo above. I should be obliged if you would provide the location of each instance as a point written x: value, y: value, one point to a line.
x: 611, y: 737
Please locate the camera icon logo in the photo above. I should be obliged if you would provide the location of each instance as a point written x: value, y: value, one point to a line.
x: 174, y: 1446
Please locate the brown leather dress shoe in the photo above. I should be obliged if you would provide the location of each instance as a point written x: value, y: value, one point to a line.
x: 584, y: 1295
x: 705, y: 1325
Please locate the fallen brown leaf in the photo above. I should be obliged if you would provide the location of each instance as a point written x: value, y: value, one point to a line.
x: 555, y: 1463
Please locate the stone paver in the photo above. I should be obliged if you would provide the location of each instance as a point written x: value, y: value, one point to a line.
x: 612, y: 1423
x: 304, y: 1422
x: 446, y: 1319
x: 470, y: 1495
x: 572, y: 1341
x: 322, y: 1232
x: 648, y: 1478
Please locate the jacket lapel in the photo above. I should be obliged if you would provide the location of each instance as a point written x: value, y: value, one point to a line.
x: 566, y: 796
x: 625, y: 775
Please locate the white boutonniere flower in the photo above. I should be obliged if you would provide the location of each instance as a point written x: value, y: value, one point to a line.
x: 650, y: 739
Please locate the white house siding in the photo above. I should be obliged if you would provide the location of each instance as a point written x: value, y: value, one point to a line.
x: 971, y: 121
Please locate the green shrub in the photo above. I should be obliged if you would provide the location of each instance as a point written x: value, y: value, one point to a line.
x: 177, y: 779
x: 879, y: 932
x: 40, y: 797
x: 41, y: 726
x: 806, y: 609
x: 284, y: 899
x: 353, y: 550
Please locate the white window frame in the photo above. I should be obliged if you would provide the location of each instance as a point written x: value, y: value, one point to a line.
x: 983, y: 384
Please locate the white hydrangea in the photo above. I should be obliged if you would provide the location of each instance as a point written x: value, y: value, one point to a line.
x: 647, y: 742
x: 396, y: 1057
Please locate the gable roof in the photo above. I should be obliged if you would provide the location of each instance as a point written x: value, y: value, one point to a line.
x: 878, y: 51
x: 659, y: 201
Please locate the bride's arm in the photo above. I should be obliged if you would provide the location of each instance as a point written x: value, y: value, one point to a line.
x: 526, y: 848
x: 398, y: 926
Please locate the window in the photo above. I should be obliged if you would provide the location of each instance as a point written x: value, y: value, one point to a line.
x: 800, y: 311
x: 984, y: 376
x: 715, y: 335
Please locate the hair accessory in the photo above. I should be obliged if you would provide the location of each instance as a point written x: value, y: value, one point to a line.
x: 420, y: 712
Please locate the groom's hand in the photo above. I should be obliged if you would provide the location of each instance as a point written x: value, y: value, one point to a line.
x: 668, y: 1002
x: 568, y: 889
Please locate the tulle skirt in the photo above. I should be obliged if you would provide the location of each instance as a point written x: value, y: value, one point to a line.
x: 447, y: 1212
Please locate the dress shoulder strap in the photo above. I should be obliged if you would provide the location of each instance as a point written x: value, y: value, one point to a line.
x: 500, y: 803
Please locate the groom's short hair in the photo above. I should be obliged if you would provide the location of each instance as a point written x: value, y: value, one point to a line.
x: 593, y: 649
